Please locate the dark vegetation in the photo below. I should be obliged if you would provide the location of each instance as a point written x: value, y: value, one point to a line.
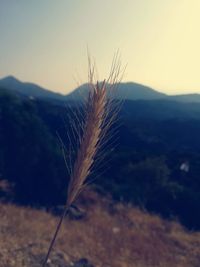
x: 155, y: 138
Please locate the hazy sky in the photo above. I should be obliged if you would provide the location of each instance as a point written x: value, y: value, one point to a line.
x: 45, y: 41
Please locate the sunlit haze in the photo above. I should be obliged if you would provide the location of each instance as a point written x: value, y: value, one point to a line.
x: 45, y: 42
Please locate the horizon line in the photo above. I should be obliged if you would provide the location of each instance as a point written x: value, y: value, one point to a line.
x: 85, y: 83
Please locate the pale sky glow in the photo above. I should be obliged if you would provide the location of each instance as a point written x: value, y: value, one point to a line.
x: 45, y: 41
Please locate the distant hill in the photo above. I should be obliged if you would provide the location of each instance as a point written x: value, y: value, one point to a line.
x: 126, y: 91
x: 135, y: 91
x: 79, y: 93
x: 161, y: 109
x: 195, y: 98
x: 130, y: 91
x: 28, y: 89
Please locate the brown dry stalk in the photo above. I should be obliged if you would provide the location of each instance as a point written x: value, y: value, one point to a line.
x: 94, y: 125
x: 97, y: 122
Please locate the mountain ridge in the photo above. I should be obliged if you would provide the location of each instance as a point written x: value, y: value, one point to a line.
x: 126, y: 90
x: 27, y: 88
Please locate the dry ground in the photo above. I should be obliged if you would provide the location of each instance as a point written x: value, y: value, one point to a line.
x: 110, y: 235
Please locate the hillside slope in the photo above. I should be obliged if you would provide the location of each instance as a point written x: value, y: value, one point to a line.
x: 129, y: 90
x: 32, y: 90
x: 110, y: 235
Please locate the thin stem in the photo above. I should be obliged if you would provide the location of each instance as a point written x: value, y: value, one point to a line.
x: 65, y: 212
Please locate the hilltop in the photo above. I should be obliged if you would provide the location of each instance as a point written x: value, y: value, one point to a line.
x: 111, y: 234
x: 28, y: 89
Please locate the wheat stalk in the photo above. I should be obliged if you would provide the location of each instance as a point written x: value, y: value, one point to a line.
x: 100, y: 114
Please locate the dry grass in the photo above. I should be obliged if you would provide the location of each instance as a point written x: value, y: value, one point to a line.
x: 111, y: 235
x: 99, y: 115
x: 93, y: 130
x: 100, y: 112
